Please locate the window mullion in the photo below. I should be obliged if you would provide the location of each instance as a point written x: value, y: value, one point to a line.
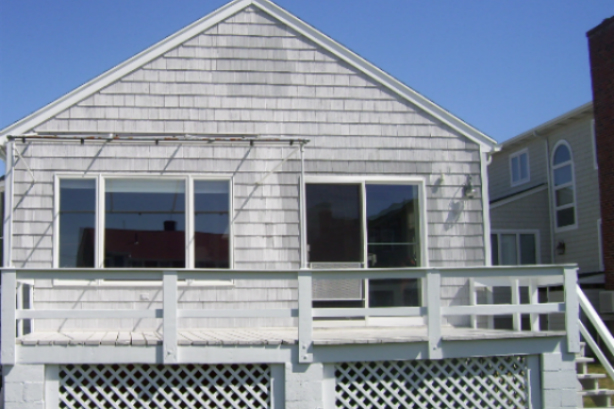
x: 189, y: 222
x: 365, y: 240
x: 100, y: 221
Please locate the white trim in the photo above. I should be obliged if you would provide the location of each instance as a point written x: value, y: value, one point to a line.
x: 518, y: 196
x: 518, y: 232
x: 511, y: 157
x: 7, y: 245
x: 174, y: 40
x: 594, y: 141
x: 485, y: 207
x: 572, y: 184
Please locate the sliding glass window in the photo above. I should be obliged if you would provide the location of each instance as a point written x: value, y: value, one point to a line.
x: 211, y: 224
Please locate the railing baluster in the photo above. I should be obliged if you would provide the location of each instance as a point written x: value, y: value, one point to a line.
x: 305, y: 317
x: 9, y: 305
x: 169, y: 305
x: 516, y: 318
x: 433, y: 297
x: 572, y: 312
x: 473, y: 300
x: 534, y: 296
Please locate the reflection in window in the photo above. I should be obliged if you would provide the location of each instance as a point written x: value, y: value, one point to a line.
x: 334, y: 227
x: 563, y: 186
x: 514, y: 248
x: 519, y: 166
x: 145, y: 223
x: 77, y: 221
x: 211, y: 224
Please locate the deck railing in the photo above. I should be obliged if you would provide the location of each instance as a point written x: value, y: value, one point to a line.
x: 432, y: 309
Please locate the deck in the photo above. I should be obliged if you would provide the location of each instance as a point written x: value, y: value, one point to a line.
x: 274, y: 336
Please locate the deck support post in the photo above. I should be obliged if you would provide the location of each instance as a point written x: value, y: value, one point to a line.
x: 572, y: 310
x: 9, y: 305
x: 169, y: 288
x: 433, y: 299
x: 305, y: 317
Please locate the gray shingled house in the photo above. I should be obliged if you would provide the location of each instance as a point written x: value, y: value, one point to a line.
x: 248, y: 214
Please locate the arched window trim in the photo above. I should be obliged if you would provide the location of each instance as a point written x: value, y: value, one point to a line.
x: 571, y: 184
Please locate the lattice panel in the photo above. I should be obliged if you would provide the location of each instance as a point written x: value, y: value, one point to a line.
x: 165, y: 386
x: 493, y: 382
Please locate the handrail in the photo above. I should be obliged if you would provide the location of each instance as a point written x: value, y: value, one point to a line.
x: 594, y: 318
x: 432, y: 311
x: 596, y: 350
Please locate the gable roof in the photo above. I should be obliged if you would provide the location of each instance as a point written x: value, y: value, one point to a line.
x: 54, y: 108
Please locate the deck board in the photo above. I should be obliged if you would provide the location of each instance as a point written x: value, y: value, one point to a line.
x: 271, y: 336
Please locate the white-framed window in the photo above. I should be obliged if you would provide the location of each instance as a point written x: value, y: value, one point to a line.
x: 515, y: 247
x: 520, y: 171
x: 375, y: 223
x: 135, y: 222
x: 563, y: 187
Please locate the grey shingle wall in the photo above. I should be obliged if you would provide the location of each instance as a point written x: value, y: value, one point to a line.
x: 253, y: 76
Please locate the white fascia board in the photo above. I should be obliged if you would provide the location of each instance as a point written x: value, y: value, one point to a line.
x: 114, y: 74
x: 356, y: 61
x: 21, y: 127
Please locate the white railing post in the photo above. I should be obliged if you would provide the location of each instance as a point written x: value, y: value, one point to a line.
x: 9, y: 304
x: 433, y: 308
x: 534, y: 297
x: 169, y: 305
x: 305, y: 317
x: 572, y: 312
x: 516, y: 317
x: 473, y: 300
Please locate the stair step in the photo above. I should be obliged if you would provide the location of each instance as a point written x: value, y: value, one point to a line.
x: 591, y: 376
x: 583, y: 360
x: 598, y: 392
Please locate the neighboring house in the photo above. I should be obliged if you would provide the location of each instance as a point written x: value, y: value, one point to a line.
x: 179, y: 229
x: 544, y: 196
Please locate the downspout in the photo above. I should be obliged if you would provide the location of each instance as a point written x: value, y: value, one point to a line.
x: 302, y: 210
x: 550, y: 202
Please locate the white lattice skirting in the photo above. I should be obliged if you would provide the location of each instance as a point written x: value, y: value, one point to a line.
x: 165, y: 386
x: 493, y: 382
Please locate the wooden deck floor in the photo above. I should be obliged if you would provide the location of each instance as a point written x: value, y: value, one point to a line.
x: 272, y: 336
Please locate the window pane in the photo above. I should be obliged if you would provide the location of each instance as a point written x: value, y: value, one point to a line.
x: 494, y: 247
x: 524, y: 166
x: 564, y: 196
x: 565, y: 217
x: 528, y: 253
x: 145, y: 223
x: 211, y: 224
x: 561, y: 155
x: 77, y: 222
x: 392, y: 225
x: 394, y: 293
x: 508, y: 249
x: 334, y: 228
x: 562, y: 175
x: 515, y: 170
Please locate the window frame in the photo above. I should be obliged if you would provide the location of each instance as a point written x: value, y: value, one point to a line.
x: 572, y: 184
x: 517, y: 233
x: 382, y: 180
x: 511, y: 157
x: 189, y: 181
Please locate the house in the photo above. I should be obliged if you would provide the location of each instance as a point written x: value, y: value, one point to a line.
x: 220, y: 220
x: 544, y: 196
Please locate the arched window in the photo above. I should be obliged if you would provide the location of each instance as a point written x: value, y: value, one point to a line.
x: 564, y: 187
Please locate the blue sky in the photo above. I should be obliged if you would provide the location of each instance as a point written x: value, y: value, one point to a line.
x: 503, y: 66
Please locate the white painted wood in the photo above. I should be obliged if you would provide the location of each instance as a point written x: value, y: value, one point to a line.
x: 473, y: 300
x: 503, y: 309
x: 594, y: 318
x: 596, y: 350
x: 369, y: 312
x: 516, y: 317
x: 534, y: 300
x: 83, y: 314
x: 433, y: 288
x: 305, y: 318
x: 7, y: 221
x: 278, y: 389
x: 8, y: 302
x: 254, y: 313
x: 572, y: 310
x: 170, y: 317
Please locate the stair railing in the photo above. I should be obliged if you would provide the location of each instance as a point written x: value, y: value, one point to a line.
x: 601, y: 329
